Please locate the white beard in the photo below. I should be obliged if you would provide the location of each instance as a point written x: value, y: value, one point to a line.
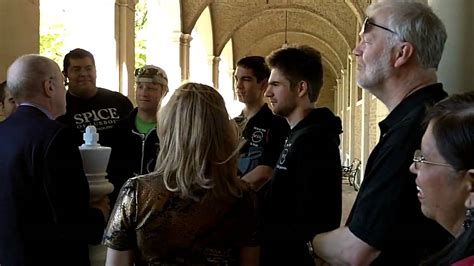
x: 375, y: 73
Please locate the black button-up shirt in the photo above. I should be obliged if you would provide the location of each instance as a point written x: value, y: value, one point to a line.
x: 387, y: 214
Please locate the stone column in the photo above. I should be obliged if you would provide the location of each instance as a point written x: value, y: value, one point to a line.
x: 340, y: 105
x: 353, y: 101
x: 365, y: 135
x: 184, y: 47
x: 125, y: 34
x: 230, y: 73
x: 455, y: 68
x: 338, y: 111
x: 345, y: 116
x: 19, y: 31
x: 215, y: 71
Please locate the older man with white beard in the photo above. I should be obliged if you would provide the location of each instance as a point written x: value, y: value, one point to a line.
x: 398, y: 55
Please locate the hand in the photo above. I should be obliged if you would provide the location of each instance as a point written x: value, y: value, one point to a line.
x: 103, y: 205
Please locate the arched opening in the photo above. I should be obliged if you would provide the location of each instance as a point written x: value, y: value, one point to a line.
x: 201, y: 54
x: 60, y: 32
x: 157, y: 42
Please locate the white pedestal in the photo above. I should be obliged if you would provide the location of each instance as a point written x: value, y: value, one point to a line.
x: 97, y: 255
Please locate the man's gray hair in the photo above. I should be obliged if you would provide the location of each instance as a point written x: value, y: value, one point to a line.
x: 26, y: 74
x: 417, y: 24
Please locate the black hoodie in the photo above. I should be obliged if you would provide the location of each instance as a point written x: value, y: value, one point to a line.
x: 132, y: 154
x: 305, y: 192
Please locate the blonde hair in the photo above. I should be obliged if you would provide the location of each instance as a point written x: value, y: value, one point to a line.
x: 198, y: 144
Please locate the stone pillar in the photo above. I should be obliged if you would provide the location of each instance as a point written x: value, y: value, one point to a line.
x: 125, y: 34
x: 338, y: 108
x: 215, y: 71
x: 345, y: 116
x: 455, y: 67
x: 352, y: 88
x: 365, y: 135
x: 230, y: 73
x: 19, y: 31
x: 340, y: 104
x: 184, y: 47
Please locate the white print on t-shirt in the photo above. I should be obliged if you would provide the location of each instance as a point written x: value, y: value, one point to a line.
x: 100, y: 125
x: 102, y: 118
x: 101, y: 114
x: 284, y: 153
x: 257, y: 136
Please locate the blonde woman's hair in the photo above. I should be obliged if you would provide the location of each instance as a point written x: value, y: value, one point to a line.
x: 198, y: 144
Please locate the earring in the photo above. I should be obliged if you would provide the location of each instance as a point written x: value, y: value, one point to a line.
x: 469, y: 218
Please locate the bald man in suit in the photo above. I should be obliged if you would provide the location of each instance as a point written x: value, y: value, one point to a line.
x: 44, y: 194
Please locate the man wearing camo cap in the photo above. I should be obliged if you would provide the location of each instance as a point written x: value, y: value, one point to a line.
x: 135, y: 144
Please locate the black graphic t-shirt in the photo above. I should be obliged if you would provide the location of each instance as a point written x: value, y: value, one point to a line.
x: 265, y: 134
x: 103, y: 111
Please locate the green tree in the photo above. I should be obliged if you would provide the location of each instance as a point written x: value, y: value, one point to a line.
x: 141, y: 19
x: 52, y: 41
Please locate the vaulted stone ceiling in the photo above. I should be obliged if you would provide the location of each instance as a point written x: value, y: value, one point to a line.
x: 257, y: 27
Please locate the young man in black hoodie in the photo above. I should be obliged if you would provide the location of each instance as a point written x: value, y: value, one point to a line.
x: 304, y: 197
x: 135, y: 143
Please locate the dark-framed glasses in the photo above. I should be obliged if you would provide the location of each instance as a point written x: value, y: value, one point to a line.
x: 419, y: 159
x: 368, y: 21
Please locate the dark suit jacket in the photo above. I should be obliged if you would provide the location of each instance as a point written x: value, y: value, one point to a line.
x: 45, y: 217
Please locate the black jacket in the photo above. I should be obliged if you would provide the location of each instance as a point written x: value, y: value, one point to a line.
x: 132, y: 153
x: 44, y: 194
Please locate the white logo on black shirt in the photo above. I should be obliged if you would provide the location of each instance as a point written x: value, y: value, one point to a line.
x: 257, y: 136
x: 283, y: 154
x: 101, y: 119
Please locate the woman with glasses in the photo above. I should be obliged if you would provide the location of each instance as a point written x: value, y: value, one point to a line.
x: 193, y: 210
x: 445, y: 175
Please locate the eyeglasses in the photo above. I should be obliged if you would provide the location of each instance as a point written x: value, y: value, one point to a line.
x: 418, y: 158
x: 367, y: 22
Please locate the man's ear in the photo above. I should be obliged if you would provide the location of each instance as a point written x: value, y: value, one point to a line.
x: 469, y: 203
x: 302, y: 88
x: 405, y: 52
x: 263, y: 85
x: 470, y: 177
x: 66, y: 79
x: 48, y: 88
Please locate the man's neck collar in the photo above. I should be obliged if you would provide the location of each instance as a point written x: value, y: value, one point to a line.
x: 39, y: 107
x: 146, y: 117
x: 298, y: 114
x: 83, y: 94
x: 396, y: 90
x: 251, y: 109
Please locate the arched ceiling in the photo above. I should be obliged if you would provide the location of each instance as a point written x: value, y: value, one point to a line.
x: 331, y: 26
x: 257, y: 27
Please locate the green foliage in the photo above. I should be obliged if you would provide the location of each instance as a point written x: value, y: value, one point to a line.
x: 141, y: 18
x: 52, y: 37
x: 52, y: 42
